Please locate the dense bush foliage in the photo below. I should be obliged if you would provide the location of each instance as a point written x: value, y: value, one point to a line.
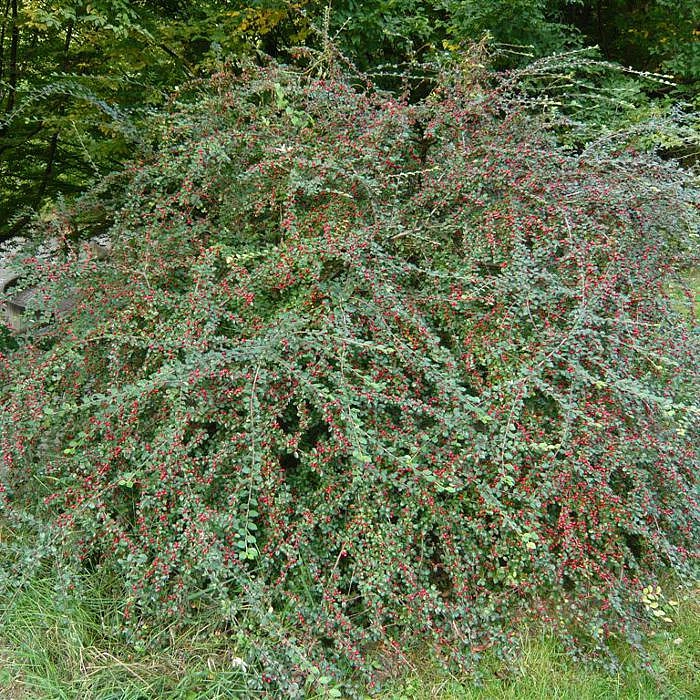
x: 361, y: 374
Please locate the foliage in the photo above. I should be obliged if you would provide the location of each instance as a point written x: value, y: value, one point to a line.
x: 77, y: 77
x: 544, y: 670
x: 532, y: 27
x: 587, y: 100
x: 59, y: 119
x: 361, y: 372
x: 659, y: 35
x: 387, y: 31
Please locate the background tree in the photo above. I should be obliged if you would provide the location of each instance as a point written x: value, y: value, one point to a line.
x: 76, y: 77
x: 657, y: 35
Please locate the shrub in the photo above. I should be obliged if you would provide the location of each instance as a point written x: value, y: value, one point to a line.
x: 361, y: 373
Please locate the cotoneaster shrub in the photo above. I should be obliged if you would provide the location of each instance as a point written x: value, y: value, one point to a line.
x: 362, y: 375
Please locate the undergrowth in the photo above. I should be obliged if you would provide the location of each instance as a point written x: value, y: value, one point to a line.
x: 48, y: 651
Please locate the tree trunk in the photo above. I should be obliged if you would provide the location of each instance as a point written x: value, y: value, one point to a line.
x: 13, y: 69
x: 5, y: 16
x: 53, y: 144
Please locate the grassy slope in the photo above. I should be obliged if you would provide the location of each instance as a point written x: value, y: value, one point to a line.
x: 47, y: 652
x: 544, y: 672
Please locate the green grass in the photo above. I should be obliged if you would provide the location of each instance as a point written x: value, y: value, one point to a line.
x: 48, y: 651
x: 545, y: 672
x: 686, y: 295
